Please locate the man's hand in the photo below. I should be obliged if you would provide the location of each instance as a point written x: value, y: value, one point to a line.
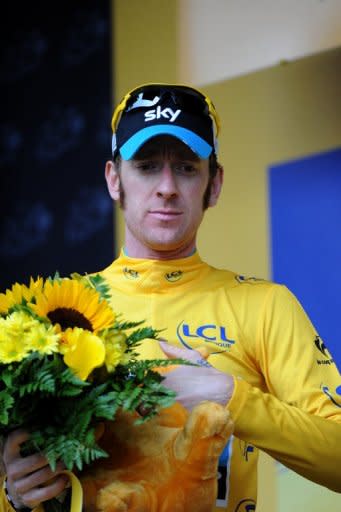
x: 194, y: 384
x: 30, y: 480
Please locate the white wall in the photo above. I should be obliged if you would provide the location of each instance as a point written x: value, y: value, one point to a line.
x: 220, y: 39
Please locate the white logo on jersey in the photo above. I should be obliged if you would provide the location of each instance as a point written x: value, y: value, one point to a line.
x: 157, y: 113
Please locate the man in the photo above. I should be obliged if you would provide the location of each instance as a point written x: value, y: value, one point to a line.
x: 263, y: 348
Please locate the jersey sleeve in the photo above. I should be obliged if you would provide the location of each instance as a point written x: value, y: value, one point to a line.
x: 297, y: 419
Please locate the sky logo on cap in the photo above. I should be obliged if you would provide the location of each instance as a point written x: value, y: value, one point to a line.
x: 141, y: 102
x: 158, y: 113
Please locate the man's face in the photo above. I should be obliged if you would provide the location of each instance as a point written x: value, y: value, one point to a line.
x: 161, y: 192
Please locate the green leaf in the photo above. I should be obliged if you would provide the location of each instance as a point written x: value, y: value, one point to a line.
x: 140, y: 334
x: 6, y: 375
x: 57, y: 277
x: 101, y: 286
x: 123, y: 326
x: 6, y: 402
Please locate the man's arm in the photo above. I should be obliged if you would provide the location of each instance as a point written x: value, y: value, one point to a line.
x: 293, y: 419
x: 306, y: 443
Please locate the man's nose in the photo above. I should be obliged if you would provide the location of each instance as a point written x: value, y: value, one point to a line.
x: 167, y: 186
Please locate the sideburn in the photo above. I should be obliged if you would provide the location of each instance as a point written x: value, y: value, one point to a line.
x: 122, y: 196
x: 207, y: 194
x: 213, y: 169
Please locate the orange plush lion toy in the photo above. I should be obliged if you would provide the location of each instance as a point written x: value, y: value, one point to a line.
x: 168, y: 464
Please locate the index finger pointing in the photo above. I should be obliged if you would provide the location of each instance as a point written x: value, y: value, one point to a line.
x: 198, y: 355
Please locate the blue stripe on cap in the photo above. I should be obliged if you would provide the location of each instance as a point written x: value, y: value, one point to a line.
x: 198, y: 145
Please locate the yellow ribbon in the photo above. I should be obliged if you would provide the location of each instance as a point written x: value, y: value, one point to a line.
x: 76, y: 492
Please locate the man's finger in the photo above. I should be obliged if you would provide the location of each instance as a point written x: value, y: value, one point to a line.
x: 194, y: 356
x: 14, y: 440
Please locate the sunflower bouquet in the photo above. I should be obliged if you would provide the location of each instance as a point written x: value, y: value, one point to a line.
x: 67, y: 362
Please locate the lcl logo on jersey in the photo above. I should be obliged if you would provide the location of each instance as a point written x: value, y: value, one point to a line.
x: 129, y: 273
x: 172, y: 277
x: 212, y: 333
x: 158, y: 112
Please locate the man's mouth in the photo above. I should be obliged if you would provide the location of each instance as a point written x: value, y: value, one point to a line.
x: 165, y: 214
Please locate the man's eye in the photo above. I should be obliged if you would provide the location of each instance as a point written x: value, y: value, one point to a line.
x: 186, y: 169
x: 147, y: 166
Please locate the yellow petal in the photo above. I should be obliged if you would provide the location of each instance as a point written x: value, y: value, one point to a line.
x: 84, y: 351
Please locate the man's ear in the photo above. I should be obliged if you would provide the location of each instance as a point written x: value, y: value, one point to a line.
x: 216, y: 186
x: 113, y: 180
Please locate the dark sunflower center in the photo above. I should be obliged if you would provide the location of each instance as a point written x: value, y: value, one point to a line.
x: 68, y: 317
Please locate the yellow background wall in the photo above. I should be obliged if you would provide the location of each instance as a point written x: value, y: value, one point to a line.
x: 268, y: 116
x: 279, y: 113
x: 276, y: 114
x: 144, y: 50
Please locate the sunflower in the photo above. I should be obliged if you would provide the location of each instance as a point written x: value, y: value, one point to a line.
x: 20, y: 293
x: 70, y: 303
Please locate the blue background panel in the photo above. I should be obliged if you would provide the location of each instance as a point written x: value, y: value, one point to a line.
x: 305, y: 218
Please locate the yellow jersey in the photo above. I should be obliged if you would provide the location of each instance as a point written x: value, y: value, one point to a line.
x: 287, y: 394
